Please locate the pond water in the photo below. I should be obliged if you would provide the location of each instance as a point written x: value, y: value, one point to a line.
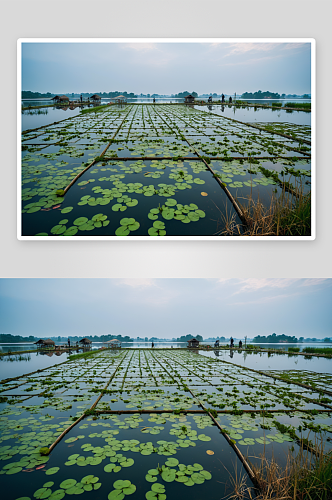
x: 16, y: 364
x: 33, y: 118
x: 163, y: 441
x: 259, y: 116
x: 266, y: 361
x: 164, y: 195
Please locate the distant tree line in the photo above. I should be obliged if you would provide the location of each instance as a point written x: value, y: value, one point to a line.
x: 184, y: 94
x: 185, y: 338
x: 272, y: 95
x: 275, y: 338
x: 27, y: 94
x: 8, y: 338
x: 260, y: 95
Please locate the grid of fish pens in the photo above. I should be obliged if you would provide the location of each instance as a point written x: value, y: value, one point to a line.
x: 163, y: 170
x: 151, y: 423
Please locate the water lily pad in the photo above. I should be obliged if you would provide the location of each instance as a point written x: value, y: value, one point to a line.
x: 66, y: 210
x: 42, y: 493
x: 57, y: 495
x: 150, y: 478
x: 71, y: 231
x: 158, y: 488
x: 52, y: 470
x: 168, y: 475
x: 80, y: 221
x: 122, y: 231
x: 172, y: 462
x: 68, y: 483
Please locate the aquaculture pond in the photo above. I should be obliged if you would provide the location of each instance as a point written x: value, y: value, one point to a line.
x: 151, y: 423
x: 144, y: 170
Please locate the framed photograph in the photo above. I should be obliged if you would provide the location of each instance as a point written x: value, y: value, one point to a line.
x: 183, y: 139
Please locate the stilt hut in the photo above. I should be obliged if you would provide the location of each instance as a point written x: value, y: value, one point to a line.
x: 193, y: 343
x: 120, y: 99
x: 45, y: 343
x: 95, y: 98
x: 189, y: 99
x: 85, y: 342
x: 113, y: 344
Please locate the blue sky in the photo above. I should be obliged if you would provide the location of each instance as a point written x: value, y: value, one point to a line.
x: 166, y: 307
x: 166, y: 68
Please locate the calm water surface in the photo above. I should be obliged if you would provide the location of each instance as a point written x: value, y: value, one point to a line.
x: 265, y: 361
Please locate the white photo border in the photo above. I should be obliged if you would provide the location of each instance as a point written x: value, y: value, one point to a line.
x: 312, y: 41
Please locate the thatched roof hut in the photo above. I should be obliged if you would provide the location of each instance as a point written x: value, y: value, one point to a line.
x: 114, y: 343
x: 45, y: 342
x: 95, y: 97
x: 56, y: 98
x: 120, y: 98
x: 85, y: 341
x: 63, y: 98
x: 189, y: 98
x: 193, y: 343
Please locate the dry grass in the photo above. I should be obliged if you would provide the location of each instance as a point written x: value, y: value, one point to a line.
x: 287, y: 215
x: 306, y: 476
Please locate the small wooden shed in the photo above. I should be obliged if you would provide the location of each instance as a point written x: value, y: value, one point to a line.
x: 193, y: 343
x: 45, y: 343
x: 95, y: 97
x: 189, y: 98
x: 85, y: 341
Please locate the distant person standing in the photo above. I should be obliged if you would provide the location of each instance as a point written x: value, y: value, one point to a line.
x: 240, y: 344
x: 230, y: 100
x: 68, y: 342
x: 152, y: 345
x: 222, y: 98
x: 81, y: 98
x: 232, y: 342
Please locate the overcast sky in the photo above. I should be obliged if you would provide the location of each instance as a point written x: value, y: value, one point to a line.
x: 166, y: 68
x: 166, y: 307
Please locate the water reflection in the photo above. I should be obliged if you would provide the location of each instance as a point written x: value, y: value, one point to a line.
x: 16, y: 357
x: 258, y: 114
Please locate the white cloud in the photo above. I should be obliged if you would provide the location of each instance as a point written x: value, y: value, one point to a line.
x: 140, y: 46
x: 243, y: 48
x: 137, y: 282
